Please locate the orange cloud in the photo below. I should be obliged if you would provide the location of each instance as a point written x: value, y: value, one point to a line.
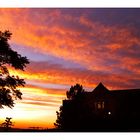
x: 66, y: 76
x: 107, y: 53
x: 97, y: 42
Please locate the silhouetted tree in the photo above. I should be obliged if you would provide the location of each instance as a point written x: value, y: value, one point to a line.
x: 59, y: 124
x: 74, y: 91
x: 73, y: 94
x: 8, y: 83
x: 7, y: 124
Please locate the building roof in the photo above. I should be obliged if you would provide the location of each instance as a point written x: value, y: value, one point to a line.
x: 127, y: 91
x: 100, y: 89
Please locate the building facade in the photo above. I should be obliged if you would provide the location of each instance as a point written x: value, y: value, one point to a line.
x: 103, y: 109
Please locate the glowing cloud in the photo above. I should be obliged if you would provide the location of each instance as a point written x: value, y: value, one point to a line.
x: 68, y: 46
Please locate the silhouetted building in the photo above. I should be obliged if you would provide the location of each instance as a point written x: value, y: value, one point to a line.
x: 103, y: 109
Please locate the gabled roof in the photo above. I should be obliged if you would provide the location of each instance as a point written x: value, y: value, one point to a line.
x: 100, y: 89
x: 126, y: 93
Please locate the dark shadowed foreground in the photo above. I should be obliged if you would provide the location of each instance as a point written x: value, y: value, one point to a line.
x: 101, y: 110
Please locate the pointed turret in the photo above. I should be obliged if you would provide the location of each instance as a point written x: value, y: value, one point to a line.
x: 100, y: 89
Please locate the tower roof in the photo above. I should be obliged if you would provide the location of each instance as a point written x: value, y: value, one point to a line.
x: 100, y: 89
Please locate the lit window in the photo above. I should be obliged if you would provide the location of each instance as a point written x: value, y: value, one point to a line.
x: 103, y: 105
x: 99, y: 105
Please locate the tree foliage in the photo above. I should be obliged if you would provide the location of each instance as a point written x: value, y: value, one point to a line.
x: 73, y: 94
x: 8, y: 83
x: 74, y: 91
x: 59, y: 122
x: 7, y: 124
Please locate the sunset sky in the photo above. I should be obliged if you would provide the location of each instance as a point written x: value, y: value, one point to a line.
x: 69, y: 46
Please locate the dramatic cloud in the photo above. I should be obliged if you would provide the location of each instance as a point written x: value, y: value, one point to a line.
x: 68, y: 46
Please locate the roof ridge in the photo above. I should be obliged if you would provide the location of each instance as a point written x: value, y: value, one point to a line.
x: 125, y: 89
x: 99, y: 87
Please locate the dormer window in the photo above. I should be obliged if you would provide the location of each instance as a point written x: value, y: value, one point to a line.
x: 99, y: 105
